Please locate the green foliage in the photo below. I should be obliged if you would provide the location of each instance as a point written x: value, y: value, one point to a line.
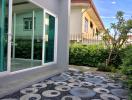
x: 87, y: 55
x: 127, y: 68
x: 92, y: 55
x: 103, y: 67
x: 130, y: 96
x: 23, y: 49
x: 127, y: 56
x: 116, y: 59
x: 116, y: 37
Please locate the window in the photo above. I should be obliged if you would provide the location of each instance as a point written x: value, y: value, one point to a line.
x: 28, y: 23
x: 97, y: 31
x: 93, y: 32
x: 91, y: 24
x: 86, y: 25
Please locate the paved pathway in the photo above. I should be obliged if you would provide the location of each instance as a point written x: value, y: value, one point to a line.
x: 73, y: 85
x: 13, y: 83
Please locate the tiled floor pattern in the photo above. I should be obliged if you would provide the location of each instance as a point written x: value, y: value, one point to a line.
x: 73, y: 85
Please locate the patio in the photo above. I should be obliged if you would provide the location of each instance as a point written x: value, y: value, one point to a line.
x: 73, y: 85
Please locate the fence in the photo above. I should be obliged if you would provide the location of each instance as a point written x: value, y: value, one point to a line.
x: 85, y: 39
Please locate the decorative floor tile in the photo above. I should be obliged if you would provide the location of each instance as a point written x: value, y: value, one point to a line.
x: 82, y: 92
x: 70, y: 98
x: 9, y: 99
x: 39, y: 85
x: 120, y: 92
x: 60, y: 83
x: 51, y: 93
x: 72, y: 85
x: 109, y: 97
x: 63, y: 88
x: 29, y: 90
x: 101, y: 90
x: 31, y: 97
x: 114, y: 85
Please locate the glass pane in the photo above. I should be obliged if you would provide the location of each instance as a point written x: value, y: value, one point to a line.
x: 38, y: 36
x: 3, y: 36
x: 49, y: 35
x: 27, y: 37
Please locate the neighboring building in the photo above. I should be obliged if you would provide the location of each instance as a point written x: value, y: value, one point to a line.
x: 85, y: 22
x: 129, y: 41
x: 33, y: 36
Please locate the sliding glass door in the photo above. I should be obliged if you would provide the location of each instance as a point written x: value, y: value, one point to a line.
x: 3, y: 36
x: 27, y: 40
x: 50, y: 28
x: 33, y: 41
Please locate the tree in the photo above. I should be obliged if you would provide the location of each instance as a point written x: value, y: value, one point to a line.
x: 117, y: 36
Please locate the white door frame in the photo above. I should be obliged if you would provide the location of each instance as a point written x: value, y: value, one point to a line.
x: 55, y: 38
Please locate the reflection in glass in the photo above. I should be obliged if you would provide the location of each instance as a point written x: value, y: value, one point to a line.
x: 27, y: 35
x: 49, y: 37
x: 3, y: 35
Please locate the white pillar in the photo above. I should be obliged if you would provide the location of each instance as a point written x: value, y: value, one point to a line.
x: 9, y: 35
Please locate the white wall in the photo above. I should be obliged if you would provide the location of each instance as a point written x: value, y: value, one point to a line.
x: 76, y: 21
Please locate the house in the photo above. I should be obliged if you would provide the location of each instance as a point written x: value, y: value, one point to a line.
x: 129, y: 41
x: 85, y: 22
x: 33, y: 36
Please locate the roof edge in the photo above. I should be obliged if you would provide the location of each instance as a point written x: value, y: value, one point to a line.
x: 96, y: 12
x: 80, y: 4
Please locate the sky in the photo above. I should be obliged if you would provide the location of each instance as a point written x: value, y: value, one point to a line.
x: 107, y: 9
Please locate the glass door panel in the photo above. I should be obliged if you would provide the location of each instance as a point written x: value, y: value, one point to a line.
x: 49, y: 38
x: 27, y: 35
x: 3, y: 36
x: 22, y: 40
x: 38, y: 37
